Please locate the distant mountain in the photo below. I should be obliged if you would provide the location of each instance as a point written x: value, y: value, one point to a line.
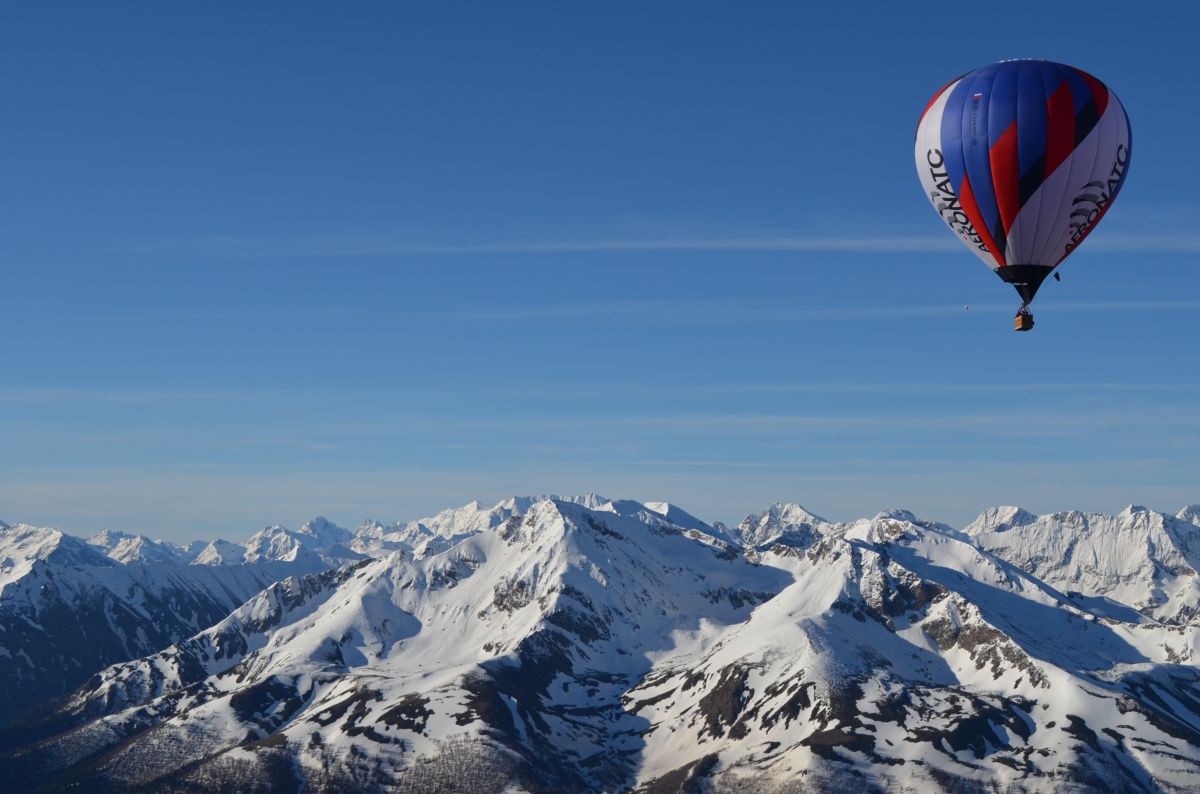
x: 1137, y: 558
x: 785, y: 524
x: 68, y: 610
x: 22, y: 547
x: 127, y: 548
x: 220, y: 552
x: 1190, y: 514
x: 305, y: 549
x: 611, y: 645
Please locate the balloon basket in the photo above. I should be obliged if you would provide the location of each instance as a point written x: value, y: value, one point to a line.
x: 1023, y: 321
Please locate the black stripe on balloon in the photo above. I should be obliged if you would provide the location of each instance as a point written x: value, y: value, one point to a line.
x: 1001, y: 238
x: 1087, y: 118
x: 1032, y: 180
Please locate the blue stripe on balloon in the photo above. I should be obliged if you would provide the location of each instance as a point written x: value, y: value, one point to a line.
x: 1031, y: 123
x: 1051, y: 77
x: 950, y: 134
x: 975, y: 145
x: 1002, y: 102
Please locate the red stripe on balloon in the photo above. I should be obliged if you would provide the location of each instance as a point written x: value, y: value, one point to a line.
x: 1060, y: 127
x: 1006, y: 177
x: 967, y: 199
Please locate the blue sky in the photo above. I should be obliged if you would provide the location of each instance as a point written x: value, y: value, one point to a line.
x: 264, y: 261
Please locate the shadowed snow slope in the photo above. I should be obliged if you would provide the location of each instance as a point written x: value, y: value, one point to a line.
x: 596, y: 645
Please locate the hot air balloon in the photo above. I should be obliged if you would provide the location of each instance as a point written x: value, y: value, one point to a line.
x: 1022, y: 159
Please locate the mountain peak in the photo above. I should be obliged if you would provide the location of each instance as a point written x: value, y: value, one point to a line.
x: 782, y: 522
x: 107, y: 537
x: 795, y: 513
x: 999, y: 519
x: 897, y: 514
x: 326, y: 533
x: 1189, y: 513
x: 220, y: 552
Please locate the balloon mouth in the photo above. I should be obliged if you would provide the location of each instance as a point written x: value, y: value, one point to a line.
x: 1025, y: 278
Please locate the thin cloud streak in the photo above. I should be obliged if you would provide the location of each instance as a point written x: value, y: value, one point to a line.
x: 368, y: 246
x: 710, y: 312
x: 47, y: 395
x: 1137, y: 243
x: 384, y: 247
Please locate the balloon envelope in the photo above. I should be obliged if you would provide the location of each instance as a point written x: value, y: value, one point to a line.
x: 1022, y: 159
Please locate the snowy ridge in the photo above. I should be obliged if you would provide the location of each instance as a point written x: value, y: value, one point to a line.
x: 432, y: 535
x: 603, y: 645
x: 23, y: 546
x: 1139, y: 558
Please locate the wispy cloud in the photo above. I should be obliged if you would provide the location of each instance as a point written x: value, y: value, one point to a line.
x: 377, y: 246
x: 49, y: 395
x: 43, y: 395
x: 1127, y: 243
x: 709, y: 312
x: 389, y: 245
x: 1126, y: 306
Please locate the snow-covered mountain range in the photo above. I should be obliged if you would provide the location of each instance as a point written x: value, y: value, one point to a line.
x: 586, y: 644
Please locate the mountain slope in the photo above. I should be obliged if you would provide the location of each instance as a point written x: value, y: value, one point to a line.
x: 604, y: 647
x: 907, y: 659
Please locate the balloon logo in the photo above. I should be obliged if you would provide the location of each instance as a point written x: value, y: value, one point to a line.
x: 1022, y: 159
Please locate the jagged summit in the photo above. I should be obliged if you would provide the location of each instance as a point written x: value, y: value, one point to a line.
x: 325, y: 533
x: 782, y: 522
